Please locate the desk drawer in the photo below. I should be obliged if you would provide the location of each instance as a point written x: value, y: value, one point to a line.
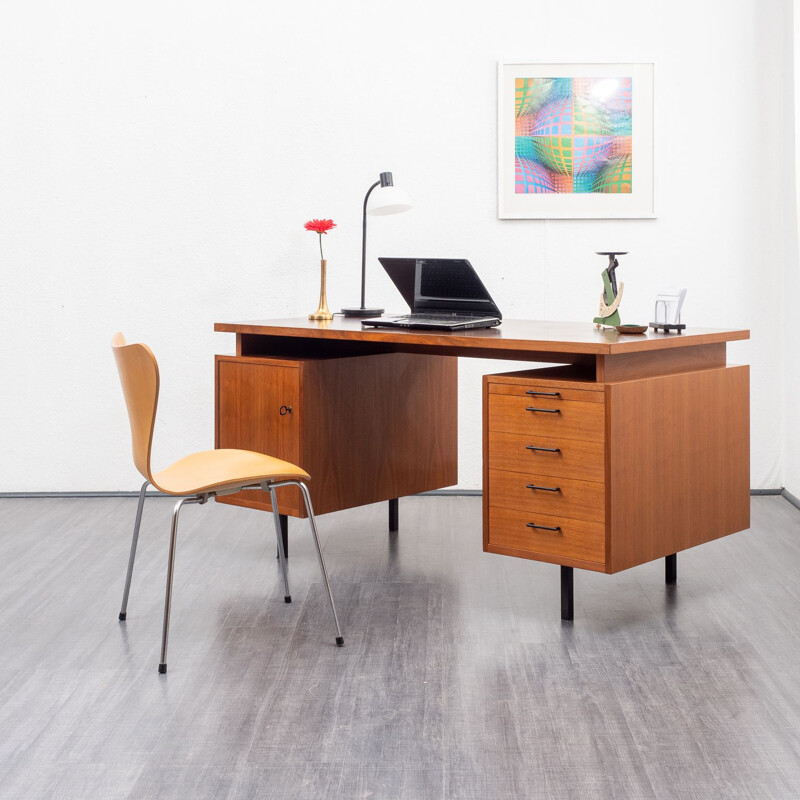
x: 545, y: 416
x: 545, y: 391
x: 575, y: 539
x: 539, y: 455
x: 558, y: 497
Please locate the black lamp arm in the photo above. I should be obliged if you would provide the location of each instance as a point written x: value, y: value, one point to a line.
x: 364, y: 238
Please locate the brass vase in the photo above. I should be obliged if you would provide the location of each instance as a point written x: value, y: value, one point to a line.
x: 322, y: 312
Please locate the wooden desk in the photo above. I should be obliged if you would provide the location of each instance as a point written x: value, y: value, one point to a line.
x: 642, y: 441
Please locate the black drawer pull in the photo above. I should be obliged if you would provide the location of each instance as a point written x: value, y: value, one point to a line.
x: 543, y: 394
x: 543, y: 488
x: 543, y: 449
x: 544, y: 527
x: 544, y: 410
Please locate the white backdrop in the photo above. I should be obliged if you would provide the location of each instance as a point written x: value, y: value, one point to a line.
x: 158, y: 161
x: 791, y: 453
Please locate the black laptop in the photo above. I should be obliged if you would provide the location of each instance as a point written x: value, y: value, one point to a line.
x: 442, y: 293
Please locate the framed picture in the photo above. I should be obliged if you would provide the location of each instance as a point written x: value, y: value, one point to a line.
x: 575, y: 141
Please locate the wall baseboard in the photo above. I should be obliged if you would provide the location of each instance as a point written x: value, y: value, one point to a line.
x: 77, y: 495
x: 452, y: 493
x: 791, y: 498
x: 437, y: 493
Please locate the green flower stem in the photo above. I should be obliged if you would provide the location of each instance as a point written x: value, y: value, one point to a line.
x: 320, y: 247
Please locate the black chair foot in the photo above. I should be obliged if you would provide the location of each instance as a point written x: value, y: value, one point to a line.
x: 567, y: 604
x: 394, y: 515
x: 287, y: 598
x: 671, y: 569
x: 162, y: 668
x: 123, y: 615
x: 340, y: 641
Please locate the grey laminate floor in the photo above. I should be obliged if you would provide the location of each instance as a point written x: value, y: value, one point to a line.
x: 458, y: 679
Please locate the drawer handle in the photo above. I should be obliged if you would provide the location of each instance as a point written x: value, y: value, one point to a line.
x: 544, y: 410
x: 543, y: 394
x: 544, y: 527
x: 543, y: 449
x: 543, y: 488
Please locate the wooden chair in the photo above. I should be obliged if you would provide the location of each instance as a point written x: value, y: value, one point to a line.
x: 199, y: 476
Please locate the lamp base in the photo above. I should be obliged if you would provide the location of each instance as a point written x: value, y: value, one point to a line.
x: 362, y: 312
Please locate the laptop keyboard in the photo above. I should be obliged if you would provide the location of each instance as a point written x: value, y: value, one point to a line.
x: 437, y: 318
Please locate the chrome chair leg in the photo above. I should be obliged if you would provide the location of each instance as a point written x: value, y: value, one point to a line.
x: 162, y: 667
x: 287, y: 597
x: 123, y: 612
x: 313, y: 522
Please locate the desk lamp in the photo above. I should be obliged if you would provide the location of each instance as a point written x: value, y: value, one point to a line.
x: 389, y: 200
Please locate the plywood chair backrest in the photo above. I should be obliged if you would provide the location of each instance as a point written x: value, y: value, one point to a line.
x: 138, y: 373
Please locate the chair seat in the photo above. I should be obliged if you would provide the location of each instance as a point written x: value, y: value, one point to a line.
x: 213, y: 470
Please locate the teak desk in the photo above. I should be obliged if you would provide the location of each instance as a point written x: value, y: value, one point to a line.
x: 635, y: 448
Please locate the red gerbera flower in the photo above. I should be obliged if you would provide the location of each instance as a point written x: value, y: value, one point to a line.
x: 320, y: 225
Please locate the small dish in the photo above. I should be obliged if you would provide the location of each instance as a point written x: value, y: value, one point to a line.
x: 630, y: 328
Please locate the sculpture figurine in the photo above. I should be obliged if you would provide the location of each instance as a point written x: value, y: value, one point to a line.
x: 610, y: 298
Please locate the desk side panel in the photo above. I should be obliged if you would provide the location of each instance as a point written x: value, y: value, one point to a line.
x: 379, y: 427
x: 679, y: 462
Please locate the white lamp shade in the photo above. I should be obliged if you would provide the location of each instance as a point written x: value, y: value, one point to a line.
x: 388, y: 200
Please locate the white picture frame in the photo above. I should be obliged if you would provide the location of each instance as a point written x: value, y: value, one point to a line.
x: 609, y: 180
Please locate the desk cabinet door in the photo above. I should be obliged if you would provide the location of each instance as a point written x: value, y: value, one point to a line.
x: 258, y: 408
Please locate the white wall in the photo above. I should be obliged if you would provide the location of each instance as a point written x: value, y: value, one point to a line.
x: 791, y: 452
x: 158, y: 161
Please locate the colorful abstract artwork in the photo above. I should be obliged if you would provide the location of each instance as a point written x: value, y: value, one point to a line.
x: 573, y: 135
x: 575, y: 140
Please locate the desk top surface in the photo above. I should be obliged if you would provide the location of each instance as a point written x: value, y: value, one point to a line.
x: 554, y: 337
x: 531, y: 335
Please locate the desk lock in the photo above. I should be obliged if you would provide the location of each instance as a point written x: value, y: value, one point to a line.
x: 284, y: 410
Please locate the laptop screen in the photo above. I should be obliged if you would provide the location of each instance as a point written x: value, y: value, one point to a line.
x: 449, y: 284
x: 447, y: 280
x: 440, y: 284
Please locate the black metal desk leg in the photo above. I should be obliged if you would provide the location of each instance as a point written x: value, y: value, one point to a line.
x: 394, y: 514
x: 284, y: 535
x: 671, y: 569
x: 567, y: 609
